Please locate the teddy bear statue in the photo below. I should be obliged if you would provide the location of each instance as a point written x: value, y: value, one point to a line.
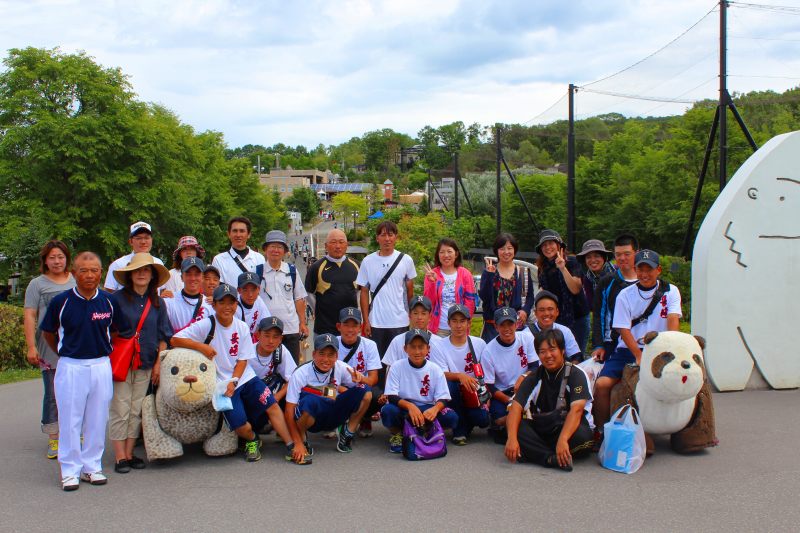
x: 180, y: 412
x: 671, y: 392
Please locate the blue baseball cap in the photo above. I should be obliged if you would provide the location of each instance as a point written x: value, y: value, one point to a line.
x: 270, y: 322
x: 647, y: 257
x: 505, y: 314
x: 248, y: 278
x: 192, y: 262
x: 350, y: 313
x: 424, y: 301
x: 458, y: 308
x: 421, y: 333
x: 325, y: 340
x: 224, y: 290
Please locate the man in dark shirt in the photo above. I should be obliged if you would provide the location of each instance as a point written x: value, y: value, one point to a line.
x: 76, y: 326
x: 332, y: 281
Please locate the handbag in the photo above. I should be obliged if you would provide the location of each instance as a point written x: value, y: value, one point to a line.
x: 275, y: 381
x: 126, y: 352
x: 623, y: 449
x: 422, y: 443
x: 474, y: 399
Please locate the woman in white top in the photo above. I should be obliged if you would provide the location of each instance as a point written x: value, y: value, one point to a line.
x: 55, y: 279
x: 448, y: 283
x: 188, y: 246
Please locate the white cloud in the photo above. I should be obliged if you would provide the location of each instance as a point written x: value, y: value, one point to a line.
x: 311, y: 72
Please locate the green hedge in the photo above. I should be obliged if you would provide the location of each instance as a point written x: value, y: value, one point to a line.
x: 12, y: 338
x: 678, y: 271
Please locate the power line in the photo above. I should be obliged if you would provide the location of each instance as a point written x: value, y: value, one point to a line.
x: 687, y: 30
x: 789, y: 10
x: 763, y: 76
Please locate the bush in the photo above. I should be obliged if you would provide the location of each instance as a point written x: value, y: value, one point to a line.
x: 678, y: 271
x: 356, y: 235
x: 12, y: 338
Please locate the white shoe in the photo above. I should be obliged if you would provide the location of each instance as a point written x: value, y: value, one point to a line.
x: 329, y: 435
x: 94, y: 478
x: 69, y: 483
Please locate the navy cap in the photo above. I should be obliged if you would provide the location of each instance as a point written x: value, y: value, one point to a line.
x: 542, y: 295
x: 224, y: 290
x: 424, y: 301
x: 270, y: 322
x: 647, y: 257
x: 325, y: 340
x: 505, y: 314
x: 421, y: 333
x: 212, y: 268
x: 192, y: 262
x: 350, y: 313
x: 248, y: 278
x: 457, y: 308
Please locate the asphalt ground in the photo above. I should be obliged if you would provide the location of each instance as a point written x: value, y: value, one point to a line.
x: 750, y: 482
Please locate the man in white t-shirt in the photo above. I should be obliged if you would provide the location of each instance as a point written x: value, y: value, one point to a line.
x: 460, y: 357
x: 419, y: 316
x: 189, y: 305
x: 272, y: 364
x: 505, y: 359
x: 141, y: 240
x: 283, y: 291
x: 251, y: 308
x: 239, y: 257
x: 633, y: 317
x: 386, y: 315
x: 226, y: 340
x: 545, y: 310
x: 361, y: 354
x: 324, y: 394
x: 415, y: 388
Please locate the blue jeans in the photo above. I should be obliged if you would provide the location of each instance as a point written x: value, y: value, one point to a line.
x: 468, y: 418
x: 49, y: 407
x: 392, y: 416
x: 580, y: 330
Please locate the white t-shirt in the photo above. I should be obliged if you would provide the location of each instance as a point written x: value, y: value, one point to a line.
x: 632, y: 302
x: 180, y: 310
x: 111, y: 283
x: 389, y: 309
x: 278, y: 294
x: 174, y: 283
x: 417, y: 385
x: 570, y: 344
x: 366, y: 357
x: 396, y: 350
x: 454, y: 358
x: 228, y: 269
x: 448, y: 298
x: 252, y: 316
x: 232, y: 345
x: 265, y: 366
x: 307, y: 374
x: 502, y: 365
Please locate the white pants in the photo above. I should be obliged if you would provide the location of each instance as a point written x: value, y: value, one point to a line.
x: 83, y: 393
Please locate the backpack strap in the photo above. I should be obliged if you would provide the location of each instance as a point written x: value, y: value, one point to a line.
x: 385, y: 279
x: 561, y: 403
x: 661, y: 290
x: 352, y: 352
x: 211, y: 332
x: 238, y: 261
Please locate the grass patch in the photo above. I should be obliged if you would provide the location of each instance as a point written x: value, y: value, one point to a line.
x: 13, y: 375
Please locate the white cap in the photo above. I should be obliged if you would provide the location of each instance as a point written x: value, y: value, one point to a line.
x: 137, y: 227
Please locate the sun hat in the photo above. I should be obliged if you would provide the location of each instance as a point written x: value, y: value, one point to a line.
x: 139, y: 260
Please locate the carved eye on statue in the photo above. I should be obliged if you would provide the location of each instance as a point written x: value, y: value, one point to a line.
x: 752, y: 193
x: 203, y: 367
x: 174, y: 370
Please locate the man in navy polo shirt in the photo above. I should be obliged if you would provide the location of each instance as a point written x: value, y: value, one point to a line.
x: 77, y: 327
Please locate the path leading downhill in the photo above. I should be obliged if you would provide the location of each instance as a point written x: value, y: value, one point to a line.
x: 749, y: 483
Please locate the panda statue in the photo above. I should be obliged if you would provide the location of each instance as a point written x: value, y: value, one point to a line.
x: 670, y: 391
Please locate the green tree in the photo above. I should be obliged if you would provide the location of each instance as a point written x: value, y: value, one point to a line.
x: 305, y: 201
x: 345, y: 204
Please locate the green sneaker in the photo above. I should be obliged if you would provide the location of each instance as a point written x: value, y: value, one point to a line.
x: 345, y: 439
x: 396, y: 443
x: 252, y: 450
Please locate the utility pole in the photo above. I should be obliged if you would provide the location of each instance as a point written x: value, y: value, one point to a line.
x: 723, y: 95
x: 455, y: 181
x: 499, y: 155
x: 571, y: 171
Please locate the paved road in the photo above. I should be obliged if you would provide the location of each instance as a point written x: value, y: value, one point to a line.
x: 749, y: 483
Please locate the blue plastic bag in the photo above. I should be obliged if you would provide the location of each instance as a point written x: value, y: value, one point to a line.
x: 219, y: 401
x: 623, y: 449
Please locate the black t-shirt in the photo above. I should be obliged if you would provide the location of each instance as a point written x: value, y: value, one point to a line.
x: 546, y: 396
x: 334, y: 286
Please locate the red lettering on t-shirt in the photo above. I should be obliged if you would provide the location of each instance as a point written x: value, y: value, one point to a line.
x: 234, y: 351
x: 426, y: 385
x: 523, y: 359
x: 469, y: 367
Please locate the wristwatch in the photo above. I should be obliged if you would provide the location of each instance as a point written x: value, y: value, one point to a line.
x: 234, y: 380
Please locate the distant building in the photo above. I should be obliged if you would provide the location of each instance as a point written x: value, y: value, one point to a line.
x: 415, y: 198
x: 326, y: 191
x: 284, y: 181
x: 388, y: 190
x: 440, y: 191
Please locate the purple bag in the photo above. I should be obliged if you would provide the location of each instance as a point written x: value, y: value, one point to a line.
x: 426, y: 442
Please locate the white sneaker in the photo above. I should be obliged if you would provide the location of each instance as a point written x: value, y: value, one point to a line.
x: 69, y: 483
x: 94, y: 478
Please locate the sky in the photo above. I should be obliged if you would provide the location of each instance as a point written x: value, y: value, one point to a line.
x: 311, y: 72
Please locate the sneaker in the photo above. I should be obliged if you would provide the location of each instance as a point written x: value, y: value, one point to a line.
x: 52, y: 449
x: 598, y: 440
x: 552, y: 462
x: 498, y: 434
x: 137, y: 463
x: 94, y: 478
x: 69, y: 483
x: 329, y: 435
x: 460, y: 441
x: 345, y: 439
x: 306, y: 460
x: 376, y: 417
x: 396, y: 443
x: 122, y: 467
x: 309, y: 449
x: 252, y: 450
x: 365, y: 429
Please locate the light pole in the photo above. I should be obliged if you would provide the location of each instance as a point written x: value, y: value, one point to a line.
x: 355, y: 220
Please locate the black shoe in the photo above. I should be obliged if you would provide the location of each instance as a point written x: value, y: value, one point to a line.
x: 498, y: 434
x: 137, y: 463
x: 552, y: 462
x: 122, y: 467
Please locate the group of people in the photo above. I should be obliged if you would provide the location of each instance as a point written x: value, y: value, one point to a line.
x: 380, y: 351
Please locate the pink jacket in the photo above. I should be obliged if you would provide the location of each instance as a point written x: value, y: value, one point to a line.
x: 465, y: 294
